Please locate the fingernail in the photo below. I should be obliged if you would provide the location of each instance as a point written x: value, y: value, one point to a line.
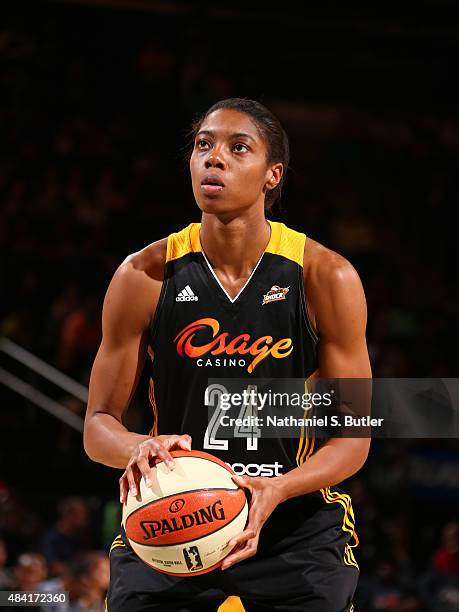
x: 133, y: 491
x: 148, y: 482
x: 170, y: 465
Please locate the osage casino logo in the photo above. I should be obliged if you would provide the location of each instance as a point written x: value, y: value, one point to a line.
x: 222, y: 344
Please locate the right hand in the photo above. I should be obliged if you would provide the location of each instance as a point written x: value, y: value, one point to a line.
x: 139, y: 463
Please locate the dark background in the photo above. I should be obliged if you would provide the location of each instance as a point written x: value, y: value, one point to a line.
x: 95, y: 105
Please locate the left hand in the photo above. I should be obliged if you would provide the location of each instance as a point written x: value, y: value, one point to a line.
x: 265, y: 496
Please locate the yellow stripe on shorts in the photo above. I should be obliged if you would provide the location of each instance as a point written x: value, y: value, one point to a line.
x: 116, y: 543
x: 333, y: 497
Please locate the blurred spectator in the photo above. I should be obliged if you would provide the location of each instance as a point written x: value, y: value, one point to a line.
x: 6, y: 578
x: 65, y: 303
x: 80, y: 337
x: 86, y: 580
x: 68, y: 537
x: 19, y: 526
x: 446, y: 559
x: 440, y: 593
x: 29, y: 571
x: 389, y: 595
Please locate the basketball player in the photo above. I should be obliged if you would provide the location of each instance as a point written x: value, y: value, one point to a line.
x: 194, y: 305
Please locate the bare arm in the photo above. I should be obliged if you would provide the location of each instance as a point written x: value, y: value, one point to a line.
x: 337, y: 302
x: 338, y: 310
x: 129, y: 305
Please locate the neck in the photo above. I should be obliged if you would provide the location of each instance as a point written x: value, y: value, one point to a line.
x: 235, y: 246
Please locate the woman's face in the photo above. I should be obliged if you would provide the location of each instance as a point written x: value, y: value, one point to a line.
x: 229, y: 169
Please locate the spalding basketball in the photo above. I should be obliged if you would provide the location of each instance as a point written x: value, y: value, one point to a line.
x: 182, y: 523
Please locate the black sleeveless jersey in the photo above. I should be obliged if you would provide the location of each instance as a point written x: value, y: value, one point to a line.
x: 199, y: 332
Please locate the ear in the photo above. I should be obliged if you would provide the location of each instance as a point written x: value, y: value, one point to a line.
x: 274, y: 176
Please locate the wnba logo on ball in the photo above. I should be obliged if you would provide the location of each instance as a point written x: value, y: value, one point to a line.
x: 192, y: 558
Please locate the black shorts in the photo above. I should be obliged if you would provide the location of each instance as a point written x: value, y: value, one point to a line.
x: 305, y: 561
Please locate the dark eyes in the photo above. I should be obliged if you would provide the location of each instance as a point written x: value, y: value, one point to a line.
x: 203, y: 145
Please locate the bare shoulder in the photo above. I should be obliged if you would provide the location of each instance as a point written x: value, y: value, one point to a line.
x: 143, y: 269
x: 326, y: 269
x: 333, y: 289
x: 149, y: 262
x: 135, y: 288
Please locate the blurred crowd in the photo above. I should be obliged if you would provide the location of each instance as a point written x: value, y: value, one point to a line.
x: 92, y: 167
x: 55, y: 559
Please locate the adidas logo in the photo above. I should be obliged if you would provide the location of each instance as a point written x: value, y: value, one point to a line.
x: 186, y: 295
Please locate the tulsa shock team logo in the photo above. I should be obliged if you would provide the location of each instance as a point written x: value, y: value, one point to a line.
x: 260, y: 348
x: 274, y: 294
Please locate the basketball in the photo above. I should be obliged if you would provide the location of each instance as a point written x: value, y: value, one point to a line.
x: 182, y: 523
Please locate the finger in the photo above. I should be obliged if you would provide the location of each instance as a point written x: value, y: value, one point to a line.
x: 244, y: 482
x: 185, y: 442
x: 123, y: 488
x: 145, y: 470
x: 176, y: 441
x: 182, y: 442
x: 249, y: 550
x: 137, y: 476
x: 233, y: 551
x: 131, y: 480
x: 158, y: 449
x: 242, y: 537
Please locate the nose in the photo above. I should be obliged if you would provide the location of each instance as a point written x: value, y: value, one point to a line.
x: 215, y: 160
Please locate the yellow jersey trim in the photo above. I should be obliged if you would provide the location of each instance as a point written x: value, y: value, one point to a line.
x: 283, y: 241
x: 183, y: 242
x: 286, y: 242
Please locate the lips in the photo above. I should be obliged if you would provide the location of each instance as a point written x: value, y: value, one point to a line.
x: 212, y: 179
x: 212, y: 183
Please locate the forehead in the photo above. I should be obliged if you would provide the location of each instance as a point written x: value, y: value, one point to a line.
x: 225, y: 122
